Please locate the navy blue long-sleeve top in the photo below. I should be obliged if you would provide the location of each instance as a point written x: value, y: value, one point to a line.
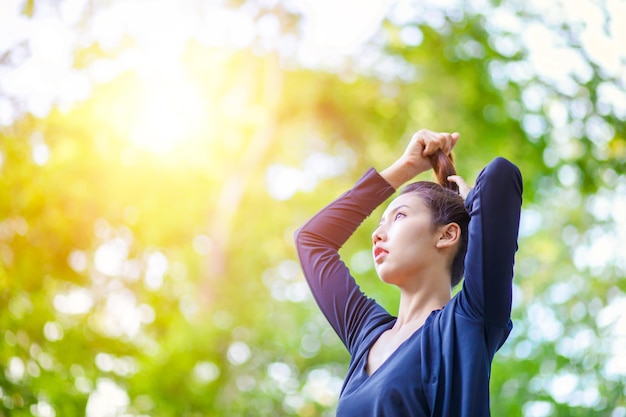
x: 443, y: 368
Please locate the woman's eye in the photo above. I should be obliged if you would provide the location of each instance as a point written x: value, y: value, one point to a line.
x: 399, y: 215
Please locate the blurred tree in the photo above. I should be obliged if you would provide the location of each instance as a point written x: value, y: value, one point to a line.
x: 148, y: 200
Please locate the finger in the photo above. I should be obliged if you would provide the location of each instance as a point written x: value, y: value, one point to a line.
x: 464, y: 189
x: 458, y: 180
x: 433, y: 141
x: 416, y: 146
x: 449, y: 141
x: 444, y: 141
x: 454, y: 140
x: 419, y: 141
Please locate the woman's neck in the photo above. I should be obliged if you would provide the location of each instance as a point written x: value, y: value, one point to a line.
x: 416, y: 304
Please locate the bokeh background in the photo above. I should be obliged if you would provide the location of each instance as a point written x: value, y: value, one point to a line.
x: 157, y: 156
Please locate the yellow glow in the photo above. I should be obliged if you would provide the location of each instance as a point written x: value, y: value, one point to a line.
x: 169, y: 115
x: 162, y: 107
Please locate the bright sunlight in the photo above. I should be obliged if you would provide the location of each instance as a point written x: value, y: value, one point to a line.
x: 170, y: 113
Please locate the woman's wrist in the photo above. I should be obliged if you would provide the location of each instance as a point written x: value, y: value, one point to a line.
x: 398, y: 173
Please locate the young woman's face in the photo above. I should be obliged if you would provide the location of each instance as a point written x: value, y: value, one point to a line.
x: 405, y: 240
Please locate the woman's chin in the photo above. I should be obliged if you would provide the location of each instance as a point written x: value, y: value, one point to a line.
x: 385, y: 276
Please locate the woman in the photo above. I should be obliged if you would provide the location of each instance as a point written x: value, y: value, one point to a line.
x: 434, y: 358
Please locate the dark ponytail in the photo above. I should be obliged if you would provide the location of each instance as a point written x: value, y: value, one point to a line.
x: 443, y: 165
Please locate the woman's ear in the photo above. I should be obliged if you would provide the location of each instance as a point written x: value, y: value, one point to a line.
x: 449, y: 235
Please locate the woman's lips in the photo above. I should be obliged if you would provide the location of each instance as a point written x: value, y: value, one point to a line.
x: 379, y: 253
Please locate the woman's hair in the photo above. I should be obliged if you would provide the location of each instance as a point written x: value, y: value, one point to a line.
x: 446, y: 206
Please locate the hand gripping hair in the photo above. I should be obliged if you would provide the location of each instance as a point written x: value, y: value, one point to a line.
x: 443, y: 165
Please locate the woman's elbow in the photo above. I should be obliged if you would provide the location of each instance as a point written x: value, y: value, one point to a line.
x: 502, y: 170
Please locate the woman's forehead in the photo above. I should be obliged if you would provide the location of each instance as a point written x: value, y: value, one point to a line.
x: 410, y: 200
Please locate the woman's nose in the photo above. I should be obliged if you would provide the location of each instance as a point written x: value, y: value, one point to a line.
x: 378, y: 235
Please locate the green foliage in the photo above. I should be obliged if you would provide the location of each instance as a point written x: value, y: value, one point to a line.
x: 168, y: 278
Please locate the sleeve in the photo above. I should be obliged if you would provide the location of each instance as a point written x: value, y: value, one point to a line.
x: 494, y: 206
x: 346, y: 308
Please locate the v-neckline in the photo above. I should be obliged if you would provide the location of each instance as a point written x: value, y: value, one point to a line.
x: 392, y: 354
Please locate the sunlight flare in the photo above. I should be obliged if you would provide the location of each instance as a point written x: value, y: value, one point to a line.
x: 169, y: 115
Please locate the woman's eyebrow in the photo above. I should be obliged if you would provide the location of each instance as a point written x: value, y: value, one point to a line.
x: 392, y: 212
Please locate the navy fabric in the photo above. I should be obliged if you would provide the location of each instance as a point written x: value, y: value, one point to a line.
x: 443, y: 368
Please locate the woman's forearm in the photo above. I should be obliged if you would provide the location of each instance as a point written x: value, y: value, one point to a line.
x: 397, y: 174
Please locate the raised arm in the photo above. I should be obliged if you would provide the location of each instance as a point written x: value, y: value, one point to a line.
x: 494, y: 205
x: 318, y: 243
